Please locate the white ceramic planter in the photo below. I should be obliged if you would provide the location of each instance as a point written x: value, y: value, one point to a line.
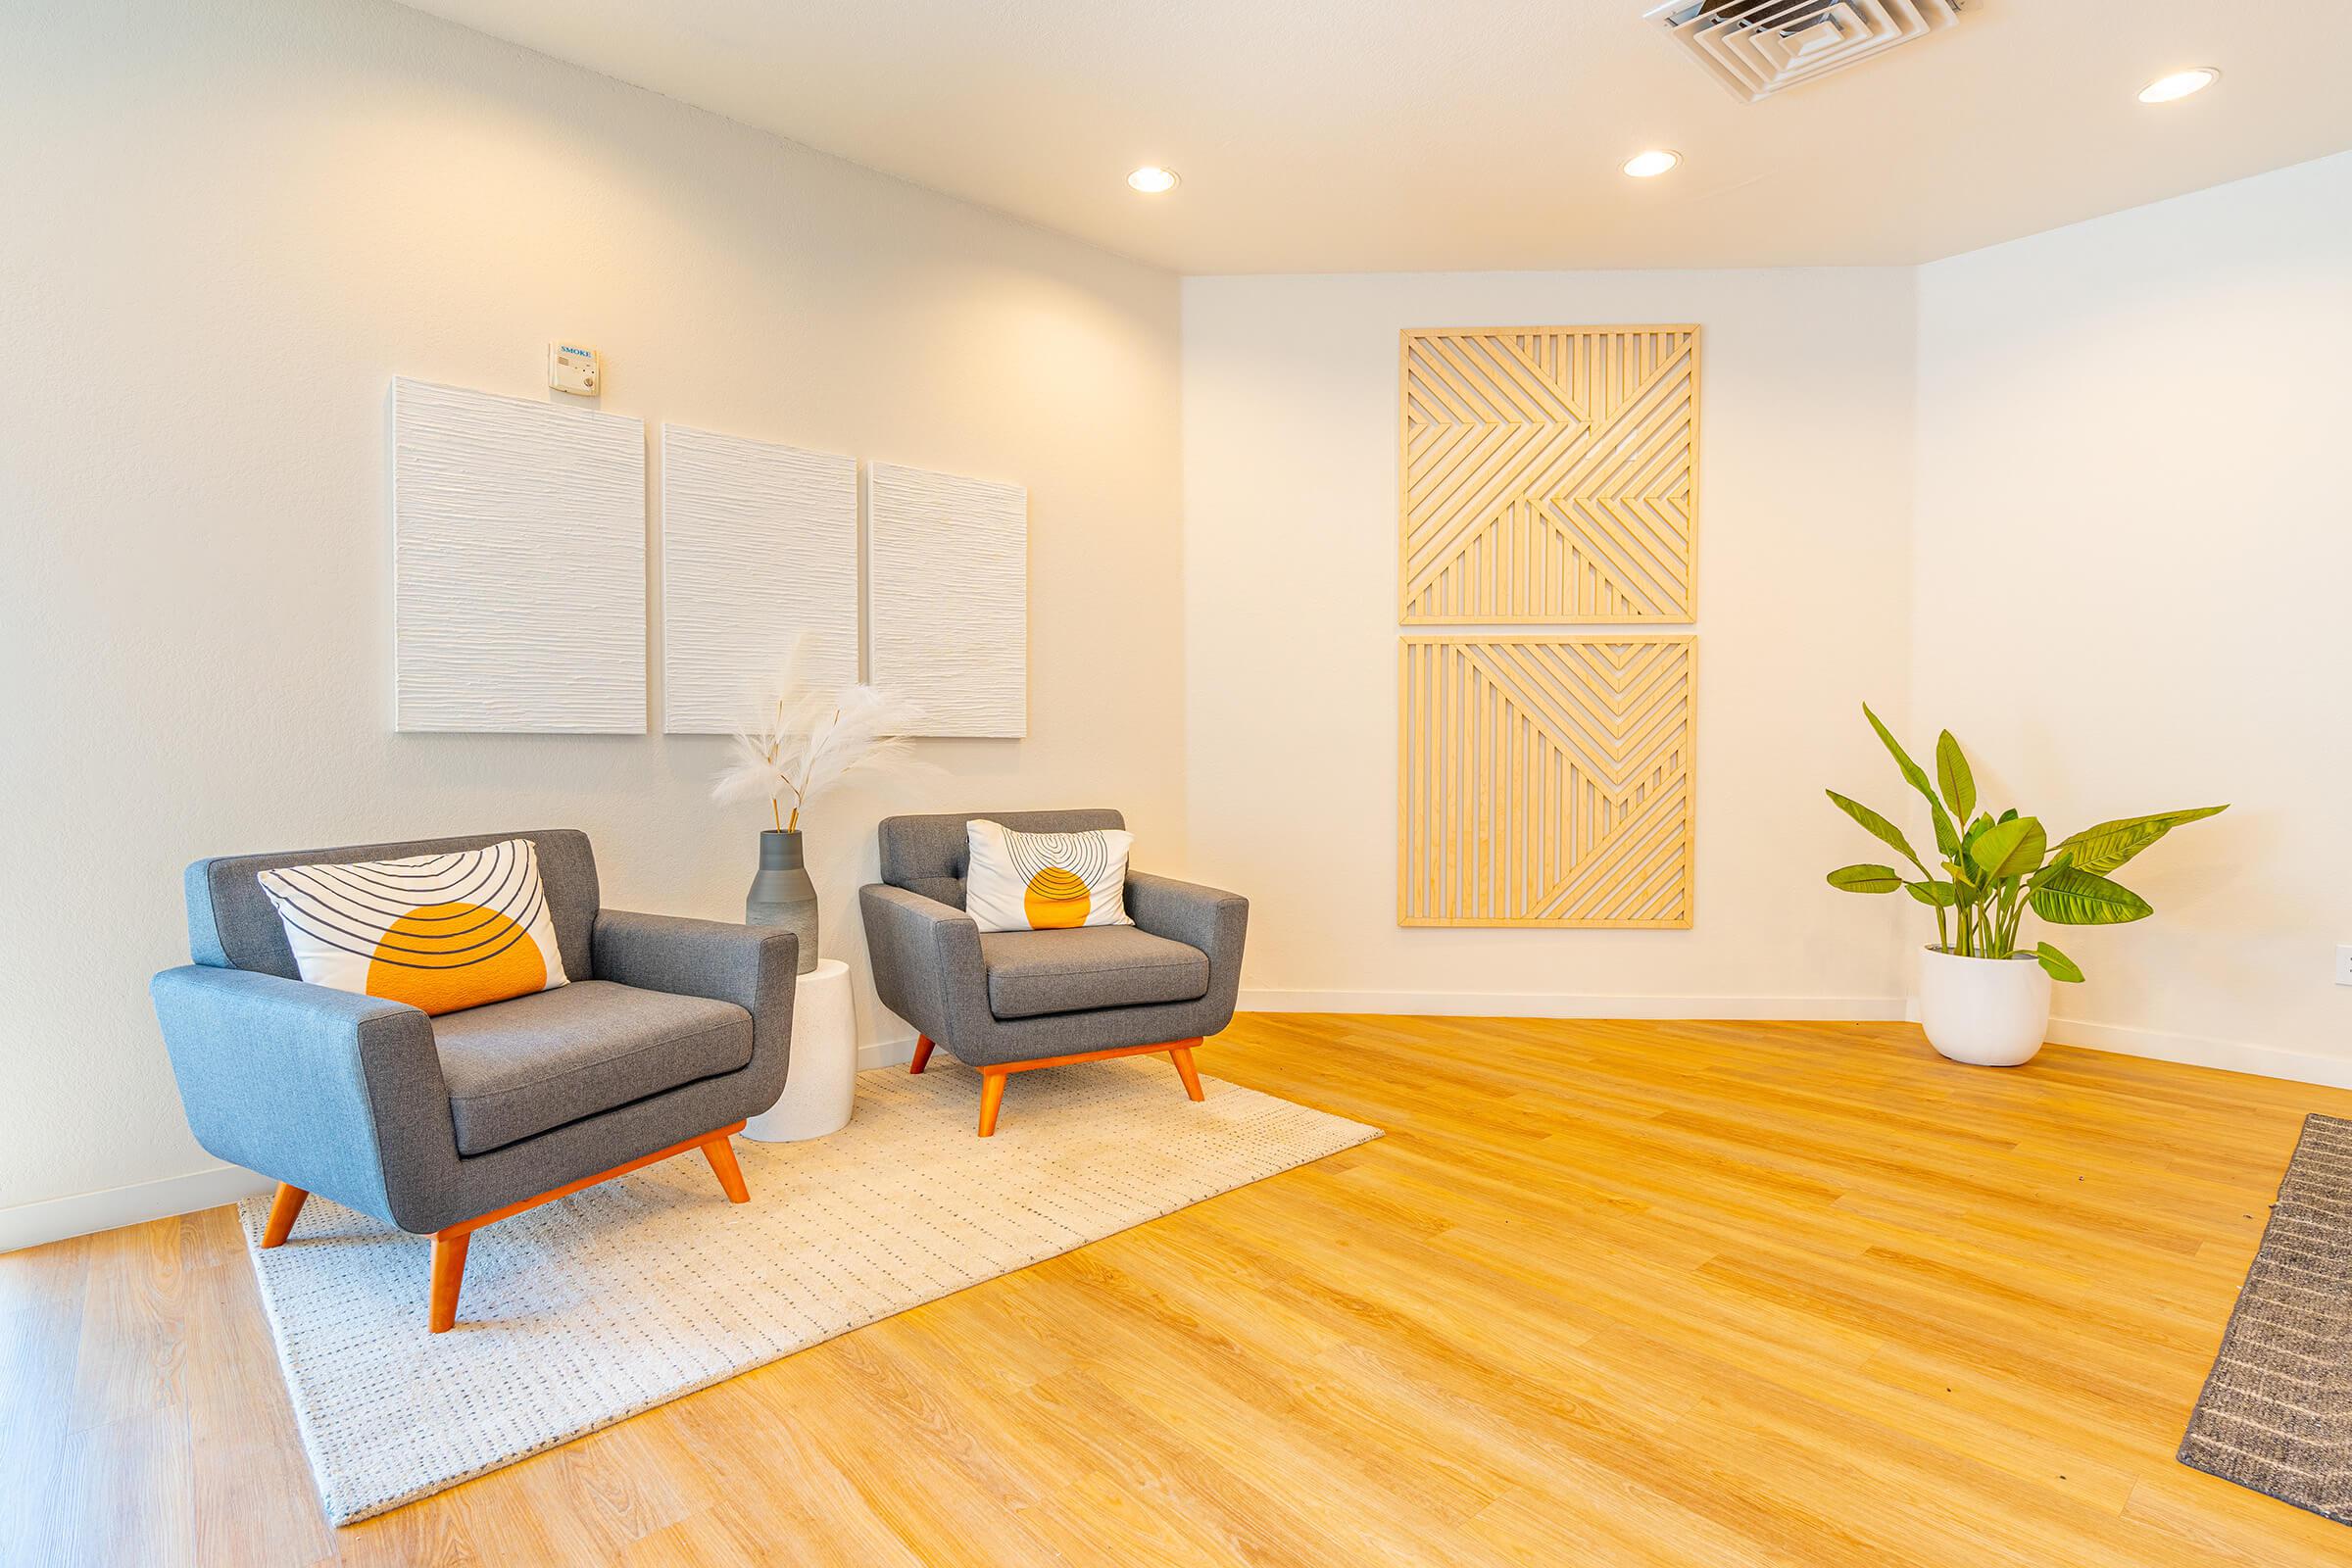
x: 1991, y: 1012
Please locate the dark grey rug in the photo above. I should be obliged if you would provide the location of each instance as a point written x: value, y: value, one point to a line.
x: 2277, y: 1412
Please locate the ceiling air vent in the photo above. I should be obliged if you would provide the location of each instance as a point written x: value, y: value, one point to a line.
x: 1759, y: 47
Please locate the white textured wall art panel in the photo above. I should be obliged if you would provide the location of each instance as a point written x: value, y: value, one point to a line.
x: 947, y: 571
x: 758, y: 544
x: 519, y: 565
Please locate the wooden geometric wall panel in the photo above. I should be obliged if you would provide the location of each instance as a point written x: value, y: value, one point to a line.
x: 519, y: 565
x: 759, y: 545
x: 1545, y: 781
x: 947, y: 566
x: 1549, y: 474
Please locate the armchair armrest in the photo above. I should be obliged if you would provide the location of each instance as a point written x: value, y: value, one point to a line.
x: 926, y: 962
x: 1209, y: 918
x: 756, y: 967
x: 304, y: 1084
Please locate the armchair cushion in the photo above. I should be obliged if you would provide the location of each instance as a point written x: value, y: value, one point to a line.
x: 518, y: 1068
x: 233, y: 924
x: 1045, y: 881
x: 930, y: 855
x: 1034, y: 973
x: 457, y: 928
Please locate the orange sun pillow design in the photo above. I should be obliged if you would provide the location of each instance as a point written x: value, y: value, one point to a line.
x: 438, y: 932
x: 1045, y: 881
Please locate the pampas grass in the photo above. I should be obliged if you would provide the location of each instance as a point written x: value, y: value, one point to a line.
x: 813, y: 739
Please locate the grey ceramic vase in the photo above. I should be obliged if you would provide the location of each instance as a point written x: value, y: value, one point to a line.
x: 782, y: 894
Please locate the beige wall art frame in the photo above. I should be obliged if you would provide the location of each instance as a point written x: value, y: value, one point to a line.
x: 1549, y: 475
x: 1547, y: 780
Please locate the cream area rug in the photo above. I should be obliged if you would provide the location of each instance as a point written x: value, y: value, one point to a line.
x: 587, y: 1311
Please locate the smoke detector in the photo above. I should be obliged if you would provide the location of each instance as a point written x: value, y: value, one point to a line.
x: 1759, y: 47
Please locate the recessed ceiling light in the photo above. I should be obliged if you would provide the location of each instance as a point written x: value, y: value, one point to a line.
x: 1152, y: 180
x: 2180, y: 84
x: 1651, y: 164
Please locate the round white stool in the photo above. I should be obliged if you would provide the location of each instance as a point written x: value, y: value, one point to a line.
x: 823, y: 1080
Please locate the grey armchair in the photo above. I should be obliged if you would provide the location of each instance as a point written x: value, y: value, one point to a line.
x: 1005, y: 1001
x: 669, y: 1035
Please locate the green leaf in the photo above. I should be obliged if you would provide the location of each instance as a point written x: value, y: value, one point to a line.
x: 1939, y: 894
x: 1976, y: 830
x: 1948, y: 837
x: 2108, y: 844
x: 1883, y: 831
x: 1953, y: 774
x: 2074, y: 897
x: 2058, y: 862
x: 1866, y: 879
x: 2010, y: 816
x: 2059, y: 965
x: 2009, y: 849
x: 1902, y: 758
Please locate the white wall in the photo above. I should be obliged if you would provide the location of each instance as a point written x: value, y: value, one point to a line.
x: 2076, y: 497
x: 225, y: 229
x: 2135, y: 538
x: 1289, y: 472
x: 230, y: 225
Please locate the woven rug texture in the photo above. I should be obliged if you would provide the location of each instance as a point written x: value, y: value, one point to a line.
x: 2276, y: 1414
x: 587, y: 1311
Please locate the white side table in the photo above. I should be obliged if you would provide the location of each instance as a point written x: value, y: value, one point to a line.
x: 822, y: 1080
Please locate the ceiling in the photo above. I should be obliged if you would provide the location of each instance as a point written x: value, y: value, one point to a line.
x: 1380, y: 135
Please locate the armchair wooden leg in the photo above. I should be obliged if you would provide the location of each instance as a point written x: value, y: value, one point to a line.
x: 992, y: 1079
x: 449, y: 1243
x: 282, y: 1209
x: 991, y: 1096
x: 1182, y: 1057
x: 922, y: 1053
x: 449, y: 1274
x: 721, y: 1155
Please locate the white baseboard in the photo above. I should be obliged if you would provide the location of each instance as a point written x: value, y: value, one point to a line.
x: 885, y: 1054
x: 2198, y: 1051
x: 2201, y: 1050
x: 1558, y: 1004
x: 56, y: 1218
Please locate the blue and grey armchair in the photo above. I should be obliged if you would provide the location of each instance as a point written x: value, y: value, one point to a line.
x: 669, y: 1035
x: 1005, y: 1001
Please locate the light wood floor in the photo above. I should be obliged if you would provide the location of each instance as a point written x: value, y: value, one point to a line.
x: 1607, y: 1293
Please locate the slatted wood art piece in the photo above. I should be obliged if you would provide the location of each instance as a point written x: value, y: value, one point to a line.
x: 1550, y: 476
x: 1546, y: 781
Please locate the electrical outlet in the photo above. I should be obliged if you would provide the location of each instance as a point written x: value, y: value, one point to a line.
x: 2343, y: 965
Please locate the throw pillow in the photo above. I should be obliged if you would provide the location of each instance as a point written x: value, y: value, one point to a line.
x: 1045, y: 881
x: 440, y: 932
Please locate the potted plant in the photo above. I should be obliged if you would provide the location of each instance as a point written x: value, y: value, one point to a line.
x: 813, y: 737
x: 1982, y: 998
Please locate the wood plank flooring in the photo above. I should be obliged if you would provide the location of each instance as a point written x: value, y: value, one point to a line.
x: 1606, y: 1294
